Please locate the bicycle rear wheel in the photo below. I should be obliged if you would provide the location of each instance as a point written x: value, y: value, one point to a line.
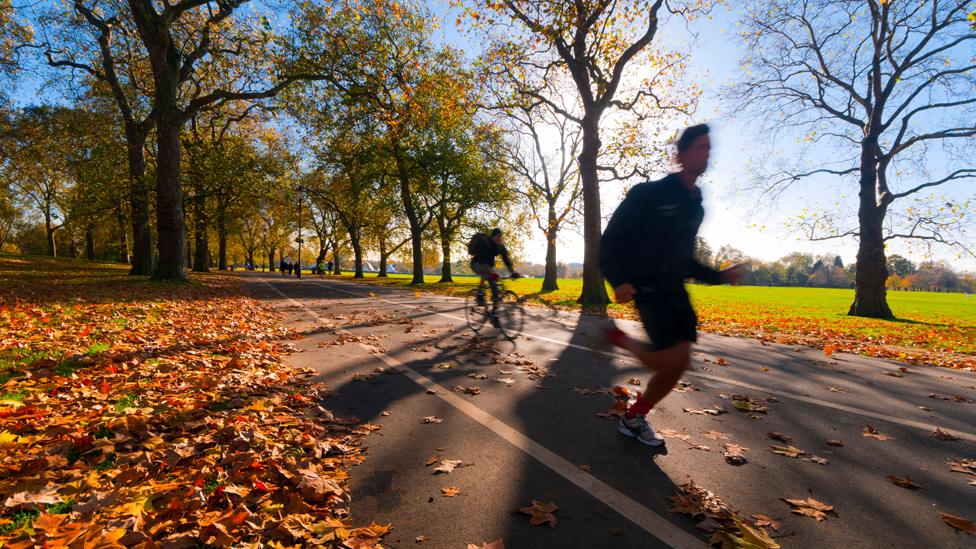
x: 474, y: 313
x: 511, y: 315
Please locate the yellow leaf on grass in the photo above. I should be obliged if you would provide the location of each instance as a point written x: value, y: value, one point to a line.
x: 6, y: 437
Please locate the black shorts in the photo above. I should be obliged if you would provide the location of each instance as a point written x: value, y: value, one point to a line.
x: 668, y: 318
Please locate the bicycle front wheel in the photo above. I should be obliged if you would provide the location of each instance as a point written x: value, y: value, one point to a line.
x: 510, y: 314
x: 475, y: 313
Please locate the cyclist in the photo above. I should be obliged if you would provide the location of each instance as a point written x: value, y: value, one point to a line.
x: 483, y: 250
x: 646, y: 253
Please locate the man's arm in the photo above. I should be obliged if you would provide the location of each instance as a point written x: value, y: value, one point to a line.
x: 613, y: 256
x: 704, y: 273
x: 503, y: 251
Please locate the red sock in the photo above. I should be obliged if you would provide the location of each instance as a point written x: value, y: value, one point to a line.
x: 640, y: 407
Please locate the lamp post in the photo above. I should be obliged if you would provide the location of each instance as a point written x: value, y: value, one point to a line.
x: 301, y: 190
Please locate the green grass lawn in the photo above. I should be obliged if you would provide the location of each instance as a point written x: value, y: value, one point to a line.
x: 938, y: 328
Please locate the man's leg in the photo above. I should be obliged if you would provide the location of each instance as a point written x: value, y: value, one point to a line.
x: 495, y: 294
x: 670, y: 364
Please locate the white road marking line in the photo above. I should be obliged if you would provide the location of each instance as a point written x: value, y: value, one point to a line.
x: 929, y: 427
x: 651, y: 522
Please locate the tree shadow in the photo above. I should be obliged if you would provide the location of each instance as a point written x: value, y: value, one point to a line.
x: 546, y: 410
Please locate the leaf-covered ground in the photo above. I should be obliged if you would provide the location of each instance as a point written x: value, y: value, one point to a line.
x: 936, y: 329
x: 136, y: 413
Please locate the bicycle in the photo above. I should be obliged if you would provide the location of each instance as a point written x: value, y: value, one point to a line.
x: 504, y: 310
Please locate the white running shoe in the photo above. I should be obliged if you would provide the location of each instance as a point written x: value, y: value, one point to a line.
x: 641, y: 430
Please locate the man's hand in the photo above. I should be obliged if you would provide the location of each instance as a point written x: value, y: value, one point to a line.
x: 624, y: 293
x: 733, y: 274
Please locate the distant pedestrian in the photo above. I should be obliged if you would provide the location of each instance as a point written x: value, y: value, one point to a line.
x: 328, y: 267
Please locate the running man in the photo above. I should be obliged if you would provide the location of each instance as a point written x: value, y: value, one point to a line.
x: 646, y: 253
x: 484, y: 250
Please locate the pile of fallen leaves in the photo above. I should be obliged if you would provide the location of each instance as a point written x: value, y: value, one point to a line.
x: 146, y: 413
x: 727, y: 528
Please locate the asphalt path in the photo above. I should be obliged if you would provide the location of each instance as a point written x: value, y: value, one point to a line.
x: 393, y: 357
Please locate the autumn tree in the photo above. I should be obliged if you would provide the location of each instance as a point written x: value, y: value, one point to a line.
x: 13, y: 33
x: 602, y: 46
x: 98, y: 40
x: 882, y: 84
x: 201, y: 52
x: 37, y: 165
x: 548, y: 176
x: 383, y: 62
x: 96, y: 159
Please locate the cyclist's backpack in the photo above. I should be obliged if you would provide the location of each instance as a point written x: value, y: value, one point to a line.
x: 477, y: 243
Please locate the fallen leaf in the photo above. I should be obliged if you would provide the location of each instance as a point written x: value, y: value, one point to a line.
x: 421, y: 539
x: 450, y: 491
x: 871, y: 432
x: 904, y: 482
x: 432, y: 419
x: 817, y: 459
x: 829, y: 349
x: 810, y: 507
x: 432, y: 460
x: 834, y: 442
x: 943, y: 435
x: 585, y: 468
x: 497, y: 544
x: 780, y: 437
x: 789, y: 451
x: 715, y: 435
x: 766, y: 520
x: 671, y: 433
x: 838, y: 389
x: 705, y: 411
x: 447, y: 465
x: 634, y: 381
x: 734, y: 454
x: 959, y: 523
x: 686, y: 505
x: 541, y: 513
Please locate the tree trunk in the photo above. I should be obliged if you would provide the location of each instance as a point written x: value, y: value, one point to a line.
x: 594, y: 290
x: 89, y: 243
x: 416, y: 230
x: 549, y: 283
x: 446, y: 252
x: 52, y: 248
x: 336, y: 269
x: 384, y: 257
x: 357, y: 250
x: 169, y: 192
x: 222, y: 239
x: 123, y: 233
x: 271, y: 261
x: 143, y: 260
x: 870, y: 293
x: 201, y: 239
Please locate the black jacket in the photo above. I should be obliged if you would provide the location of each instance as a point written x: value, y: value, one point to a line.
x: 650, y: 240
x: 488, y: 251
